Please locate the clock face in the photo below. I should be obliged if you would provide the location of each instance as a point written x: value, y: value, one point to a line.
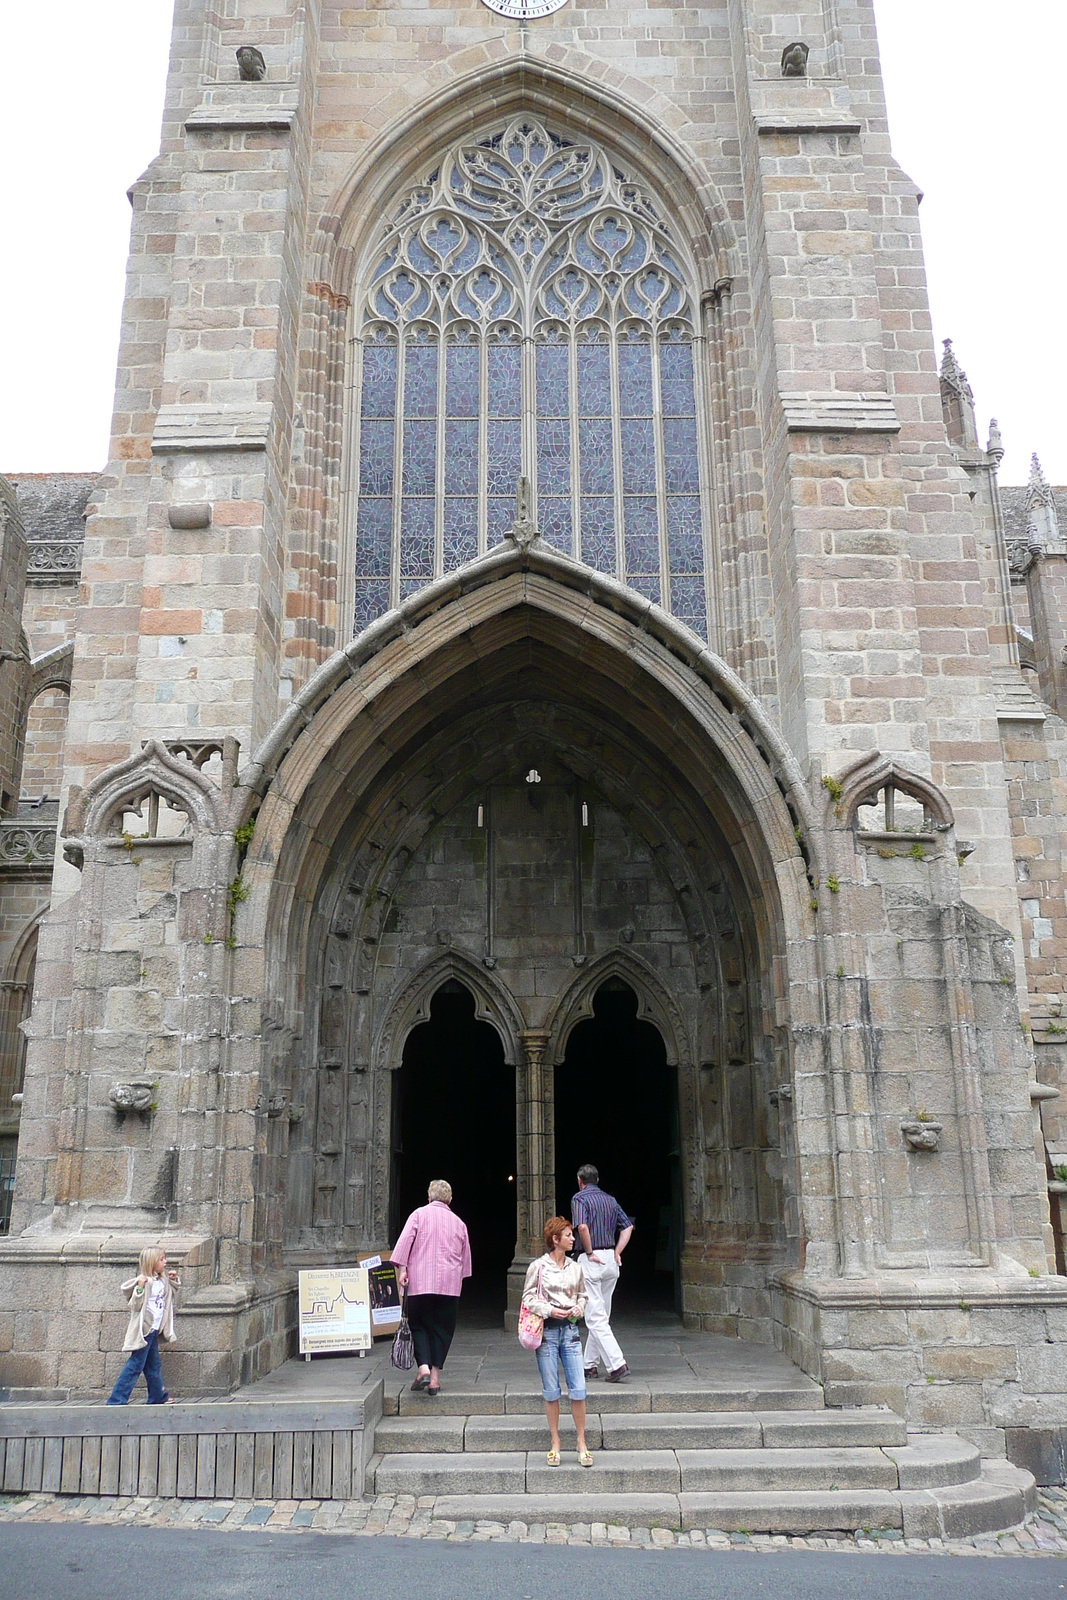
x: 525, y: 9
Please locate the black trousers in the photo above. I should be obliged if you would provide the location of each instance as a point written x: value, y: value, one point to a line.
x: 433, y: 1322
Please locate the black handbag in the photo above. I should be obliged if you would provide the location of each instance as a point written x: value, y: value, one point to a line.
x: 403, y: 1356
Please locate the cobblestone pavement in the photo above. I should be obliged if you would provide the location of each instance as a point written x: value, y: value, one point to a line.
x: 1044, y: 1534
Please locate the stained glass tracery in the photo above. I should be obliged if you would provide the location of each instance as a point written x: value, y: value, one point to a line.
x: 528, y: 313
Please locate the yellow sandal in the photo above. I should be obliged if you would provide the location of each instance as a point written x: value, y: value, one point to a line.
x: 584, y: 1458
x: 553, y: 1458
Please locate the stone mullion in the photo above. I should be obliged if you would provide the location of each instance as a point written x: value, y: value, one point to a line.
x: 438, y: 564
x: 576, y: 490
x: 711, y: 540
x: 661, y: 473
x: 398, y: 468
x: 616, y: 454
x: 483, y: 442
x: 348, y: 519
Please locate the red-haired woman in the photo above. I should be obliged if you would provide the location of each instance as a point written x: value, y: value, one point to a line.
x: 555, y: 1290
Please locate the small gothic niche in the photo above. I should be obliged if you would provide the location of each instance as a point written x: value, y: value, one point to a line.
x: 893, y: 810
x: 150, y: 815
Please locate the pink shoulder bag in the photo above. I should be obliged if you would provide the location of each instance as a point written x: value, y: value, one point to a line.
x: 531, y: 1326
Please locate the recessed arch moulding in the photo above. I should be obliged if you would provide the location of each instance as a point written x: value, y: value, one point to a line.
x: 372, y: 874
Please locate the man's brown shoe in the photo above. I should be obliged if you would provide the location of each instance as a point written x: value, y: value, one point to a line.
x: 592, y: 1372
x: 618, y: 1374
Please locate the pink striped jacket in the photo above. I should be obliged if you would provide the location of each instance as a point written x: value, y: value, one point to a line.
x: 435, y: 1249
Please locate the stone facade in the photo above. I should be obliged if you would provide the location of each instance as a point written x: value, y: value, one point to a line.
x: 787, y: 767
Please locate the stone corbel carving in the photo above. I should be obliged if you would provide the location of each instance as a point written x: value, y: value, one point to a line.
x: 922, y: 1134
x: 296, y: 1114
x: 795, y: 60
x: 251, y: 64
x: 276, y: 1106
x: 137, y: 1097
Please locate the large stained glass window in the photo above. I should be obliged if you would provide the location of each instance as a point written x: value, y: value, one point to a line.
x: 528, y: 312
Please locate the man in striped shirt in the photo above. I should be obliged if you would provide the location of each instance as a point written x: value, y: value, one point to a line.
x: 604, y: 1230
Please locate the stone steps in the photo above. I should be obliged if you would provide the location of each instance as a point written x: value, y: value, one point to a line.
x: 616, y: 1399
x: 1000, y: 1498
x: 870, y: 1426
x: 701, y: 1456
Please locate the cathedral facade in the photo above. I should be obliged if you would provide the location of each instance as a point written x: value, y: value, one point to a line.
x: 553, y: 678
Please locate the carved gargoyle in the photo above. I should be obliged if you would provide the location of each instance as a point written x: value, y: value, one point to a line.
x: 137, y: 1096
x: 252, y: 66
x: 795, y: 60
x: 922, y: 1134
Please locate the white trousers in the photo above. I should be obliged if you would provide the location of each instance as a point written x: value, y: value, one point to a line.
x: 601, y: 1346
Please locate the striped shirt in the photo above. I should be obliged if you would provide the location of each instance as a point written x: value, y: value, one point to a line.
x: 602, y: 1215
x: 435, y: 1249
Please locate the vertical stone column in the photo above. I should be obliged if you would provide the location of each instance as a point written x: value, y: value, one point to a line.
x: 539, y: 1182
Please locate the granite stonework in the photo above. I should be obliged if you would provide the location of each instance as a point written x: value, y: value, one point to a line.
x: 814, y: 824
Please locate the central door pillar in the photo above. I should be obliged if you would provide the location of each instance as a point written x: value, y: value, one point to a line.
x: 535, y: 1180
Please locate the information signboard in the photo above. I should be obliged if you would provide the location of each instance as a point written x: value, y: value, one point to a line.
x: 334, y: 1311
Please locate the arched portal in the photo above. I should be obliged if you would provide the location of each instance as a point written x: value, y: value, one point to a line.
x: 453, y: 1117
x: 530, y: 830
x: 616, y: 1107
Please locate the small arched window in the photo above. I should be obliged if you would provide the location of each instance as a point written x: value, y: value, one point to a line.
x: 528, y: 311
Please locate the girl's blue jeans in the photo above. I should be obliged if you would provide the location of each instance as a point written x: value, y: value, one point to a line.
x: 561, y: 1346
x: 145, y: 1360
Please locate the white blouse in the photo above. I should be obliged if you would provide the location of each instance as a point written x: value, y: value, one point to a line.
x: 549, y: 1287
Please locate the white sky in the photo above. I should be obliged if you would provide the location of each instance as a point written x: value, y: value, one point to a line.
x: 975, y: 98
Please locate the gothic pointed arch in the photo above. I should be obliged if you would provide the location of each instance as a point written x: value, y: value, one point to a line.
x: 410, y: 1006
x: 863, y: 782
x: 655, y: 1004
x: 150, y: 770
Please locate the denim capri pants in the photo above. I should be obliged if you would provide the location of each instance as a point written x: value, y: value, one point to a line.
x: 561, y: 1345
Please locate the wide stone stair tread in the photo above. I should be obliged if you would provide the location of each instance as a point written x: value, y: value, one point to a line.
x: 528, y: 1433
x: 999, y: 1498
x: 627, y: 1398
x: 621, y: 1510
x: 933, y: 1460
x: 684, y: 1430
x: 470, y: 1472
x: 614, y: 1471
x: 741, y: 1471
x: 425, y: 1435
x: 792, y: 1511
x: 864, y: 1425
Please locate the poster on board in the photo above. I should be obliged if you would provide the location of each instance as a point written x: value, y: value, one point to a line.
x: 335, y: 1310
x: 386, y: 1312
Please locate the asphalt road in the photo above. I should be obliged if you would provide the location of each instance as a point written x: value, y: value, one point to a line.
x: 58, y: 1561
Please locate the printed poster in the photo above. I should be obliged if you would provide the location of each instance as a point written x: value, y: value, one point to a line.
x: 334, y: 1311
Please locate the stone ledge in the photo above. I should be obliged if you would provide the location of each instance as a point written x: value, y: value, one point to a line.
x: 806, y: 120
x: 236, y: 108
x: 833, y: 411
x: 204, y: 427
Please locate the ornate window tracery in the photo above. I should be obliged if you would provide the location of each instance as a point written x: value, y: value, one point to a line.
x: 528, y: 311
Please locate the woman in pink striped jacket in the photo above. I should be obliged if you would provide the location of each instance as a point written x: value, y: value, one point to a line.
x: 432, y: 1257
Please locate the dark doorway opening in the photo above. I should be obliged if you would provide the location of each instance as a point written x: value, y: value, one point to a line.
x: 454, y: 1118
x: 616, y: 1106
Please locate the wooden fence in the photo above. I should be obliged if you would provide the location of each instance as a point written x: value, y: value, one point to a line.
x: 245, y: 1450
